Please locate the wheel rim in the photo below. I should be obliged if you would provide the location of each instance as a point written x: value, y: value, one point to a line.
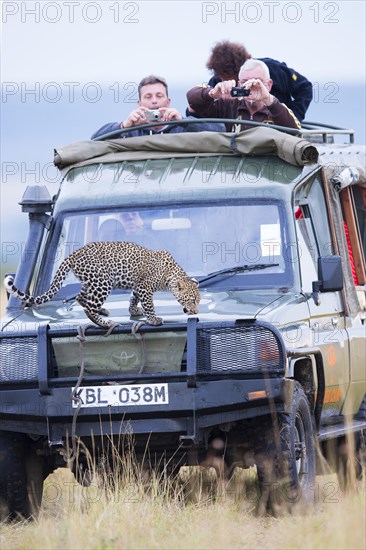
x: 300, y: 448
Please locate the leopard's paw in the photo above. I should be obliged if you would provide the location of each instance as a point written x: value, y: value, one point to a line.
x: 136, y: 311
x: 155, y: 321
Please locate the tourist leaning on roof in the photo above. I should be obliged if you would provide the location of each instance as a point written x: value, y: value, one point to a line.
x: 153, y: 95
x: 259, y: 106
x: 289, y: 86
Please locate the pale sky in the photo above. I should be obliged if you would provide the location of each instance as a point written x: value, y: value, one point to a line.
x: 86, y: 41
x: 51, y: 48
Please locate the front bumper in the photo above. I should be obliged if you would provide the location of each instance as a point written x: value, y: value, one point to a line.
x: 190, y: 412
x: 223, y: 381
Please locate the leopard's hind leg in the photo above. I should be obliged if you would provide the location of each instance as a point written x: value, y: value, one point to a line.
x: 91, y: 299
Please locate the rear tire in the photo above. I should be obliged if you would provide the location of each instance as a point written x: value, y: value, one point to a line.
x: 351, y: 455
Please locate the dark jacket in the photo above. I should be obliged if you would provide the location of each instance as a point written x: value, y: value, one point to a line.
x: 206, y: 106
x: 172, y: 129
x: 289, y: 86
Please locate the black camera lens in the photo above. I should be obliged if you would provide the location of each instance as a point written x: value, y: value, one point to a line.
x: 239, y: 92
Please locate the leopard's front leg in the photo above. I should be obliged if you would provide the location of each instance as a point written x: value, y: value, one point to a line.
x: 134, y: 310
x: 147, y: 303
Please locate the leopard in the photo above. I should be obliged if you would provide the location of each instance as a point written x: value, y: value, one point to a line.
x: 104, y: 266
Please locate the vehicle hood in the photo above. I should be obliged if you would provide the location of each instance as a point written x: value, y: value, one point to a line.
x: 214, y: 307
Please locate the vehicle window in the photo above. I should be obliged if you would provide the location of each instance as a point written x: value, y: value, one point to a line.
x: 202, y: 238
x: 306, y: 231
x: 308, y: 253
x: 318, y: 214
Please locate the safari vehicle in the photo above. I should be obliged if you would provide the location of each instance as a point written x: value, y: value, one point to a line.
x: 271, y: 372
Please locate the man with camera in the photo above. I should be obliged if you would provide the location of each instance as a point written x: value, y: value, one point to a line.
x: 250, y: 100
x: 289, y: 86
x: 154, y: 106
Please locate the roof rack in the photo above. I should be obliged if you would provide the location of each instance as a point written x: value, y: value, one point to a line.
x: 187, y: 121
x: 325, y: 131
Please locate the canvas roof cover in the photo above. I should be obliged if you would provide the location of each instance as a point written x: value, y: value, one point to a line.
x: 254, y: 142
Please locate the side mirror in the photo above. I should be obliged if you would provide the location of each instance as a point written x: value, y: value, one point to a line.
x: 330, y: 276
x: 330, y: 273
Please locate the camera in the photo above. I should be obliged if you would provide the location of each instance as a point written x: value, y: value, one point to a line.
x: 239, y: 92
x: 152, y: 114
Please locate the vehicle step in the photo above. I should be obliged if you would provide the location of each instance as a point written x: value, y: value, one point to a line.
x: 337, y: 430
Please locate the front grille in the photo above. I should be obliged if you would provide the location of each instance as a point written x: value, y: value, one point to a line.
x: 242, y: 348
x: 19, y: 359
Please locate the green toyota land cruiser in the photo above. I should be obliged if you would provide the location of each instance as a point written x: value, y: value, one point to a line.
x: 271, y: 372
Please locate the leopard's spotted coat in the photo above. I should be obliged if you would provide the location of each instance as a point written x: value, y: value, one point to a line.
x: 102, y: 266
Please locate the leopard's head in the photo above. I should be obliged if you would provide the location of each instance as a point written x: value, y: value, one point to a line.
x: 188, y: 295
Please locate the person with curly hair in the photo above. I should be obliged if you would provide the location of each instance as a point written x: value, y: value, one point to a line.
x: 289, y: 86
x: 257, y: 105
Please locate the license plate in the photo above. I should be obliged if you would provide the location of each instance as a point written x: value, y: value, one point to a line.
x: 116, y: 396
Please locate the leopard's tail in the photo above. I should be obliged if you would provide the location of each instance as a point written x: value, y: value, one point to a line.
x: 29, y: 300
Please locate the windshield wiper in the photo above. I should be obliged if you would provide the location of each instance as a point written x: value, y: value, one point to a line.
x: 232, y: 270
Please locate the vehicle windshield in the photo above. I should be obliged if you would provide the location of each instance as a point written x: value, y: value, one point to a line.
x: 203, y: 239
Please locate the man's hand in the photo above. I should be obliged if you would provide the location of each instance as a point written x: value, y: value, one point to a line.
x: 222, y: 90
x: 168, y: 113
x: 136, y: 117
x: 258, y: 92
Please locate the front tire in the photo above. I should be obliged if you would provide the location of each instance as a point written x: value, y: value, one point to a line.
x: 21, y: 478
x: 286, y: 462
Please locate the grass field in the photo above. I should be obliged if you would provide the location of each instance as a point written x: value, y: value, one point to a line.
x: 130, y: 516
x: 133, y: 516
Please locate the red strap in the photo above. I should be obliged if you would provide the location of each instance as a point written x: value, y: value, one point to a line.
x: 298, y: 213
x: 350, y: 253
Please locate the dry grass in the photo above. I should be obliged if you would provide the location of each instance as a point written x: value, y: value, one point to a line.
x: 132, y: 515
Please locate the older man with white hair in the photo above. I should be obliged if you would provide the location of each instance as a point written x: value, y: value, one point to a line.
x: 259, y: 105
